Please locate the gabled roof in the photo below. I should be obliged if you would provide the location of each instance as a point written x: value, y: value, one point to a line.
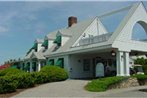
x: 29, y: 55
x: 124, y: 22
x: 52, y: 35
x: 76, y: 30
x: 38, y: 55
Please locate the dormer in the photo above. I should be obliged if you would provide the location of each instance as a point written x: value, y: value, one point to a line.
x: 45, y: 43
x: 62, y: 37
x: 38, y: 44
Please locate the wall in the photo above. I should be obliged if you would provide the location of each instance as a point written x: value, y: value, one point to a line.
x: 76, y: 66
x: 94, y: 29
x: 66, y: 61
x: 124, y: 32
x: 39, y: 46
x: 50, y: 43
x: 64, y: 40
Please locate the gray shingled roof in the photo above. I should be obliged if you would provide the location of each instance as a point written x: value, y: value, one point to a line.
x: 39, y: 54
x: 76, y: 30
x: 29, y: 55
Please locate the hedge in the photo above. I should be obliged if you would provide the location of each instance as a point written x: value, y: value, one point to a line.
x: 12, y: 78
x: 54, y: 73
x: 10, y: 71
x: 7, y: 85
x: 102, y: 84
x: 39, y: 77
x: 25, y: 80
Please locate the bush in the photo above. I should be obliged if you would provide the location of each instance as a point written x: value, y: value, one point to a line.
x: 39, y: 77
x: 102, y: 84
x: 25, y: 80
x: 10, y: 71
x: 14, y: 78
x: 140, y: 76
x: 54, y: 73
x: 142, y: 79
x: 7, y: 85
x: 144, y: 67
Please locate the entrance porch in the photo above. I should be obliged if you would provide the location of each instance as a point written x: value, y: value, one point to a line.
x: 83, y: 65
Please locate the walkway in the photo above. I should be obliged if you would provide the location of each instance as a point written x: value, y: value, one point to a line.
x: 74, y: 88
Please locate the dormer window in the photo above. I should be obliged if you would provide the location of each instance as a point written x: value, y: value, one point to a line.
x: 58, y: 40
x: 35, y: 47
x: 45, y: 44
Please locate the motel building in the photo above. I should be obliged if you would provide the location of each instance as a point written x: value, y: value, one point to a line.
x: 87, y: 49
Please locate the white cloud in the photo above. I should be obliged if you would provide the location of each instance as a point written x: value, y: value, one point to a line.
x: 3, y: 29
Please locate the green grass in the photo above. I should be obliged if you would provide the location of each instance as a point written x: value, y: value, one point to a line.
x: 102, y: 84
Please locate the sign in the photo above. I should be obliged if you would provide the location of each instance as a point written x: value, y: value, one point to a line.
x: 99, y: 70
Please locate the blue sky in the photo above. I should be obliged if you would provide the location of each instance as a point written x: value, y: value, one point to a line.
x: 22, y: 22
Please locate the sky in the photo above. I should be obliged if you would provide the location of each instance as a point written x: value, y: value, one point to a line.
x: 22, y: 22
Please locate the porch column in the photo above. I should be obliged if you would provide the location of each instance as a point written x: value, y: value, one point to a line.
x: 126, y: 65
x: 120, y: 63
x: 31, y: 66
x: 39, y: 65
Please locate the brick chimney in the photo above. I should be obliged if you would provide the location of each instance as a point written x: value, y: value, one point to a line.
x: 72, y: 20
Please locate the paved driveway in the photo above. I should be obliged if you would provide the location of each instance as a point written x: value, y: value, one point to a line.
x: 74, y: 88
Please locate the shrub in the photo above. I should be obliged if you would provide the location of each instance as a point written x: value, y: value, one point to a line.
x: 25, y: 80
x: 39, y: 77
x: 102, y: 84
x: 144, y: 67
x: 54, y: 73
x: 142, y: 79
x: 140, y: 76
x: 7, y: 85
x: 10, y: 71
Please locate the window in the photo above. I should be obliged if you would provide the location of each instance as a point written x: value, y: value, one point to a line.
x: 34, y: 66
x: 86, y: 64
x: 60, y: 62
x: 35, y: 47
x: 45, y: 44
x: 58, y: 40
x: 51, y: 62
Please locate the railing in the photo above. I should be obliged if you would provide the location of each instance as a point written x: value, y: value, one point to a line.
x: 95, y: 39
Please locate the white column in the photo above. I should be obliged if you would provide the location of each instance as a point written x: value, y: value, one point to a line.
x: 126, y: 67
x: 39, y: 65
x: 120, y: 63
x: 30, y: 66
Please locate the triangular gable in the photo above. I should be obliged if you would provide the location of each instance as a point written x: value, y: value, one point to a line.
x: 136, y: 14
x: 94, y: 29
x: 101, y: 28
x: 33, y: 55
x: 122, y: 37
x: 58, y: 33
